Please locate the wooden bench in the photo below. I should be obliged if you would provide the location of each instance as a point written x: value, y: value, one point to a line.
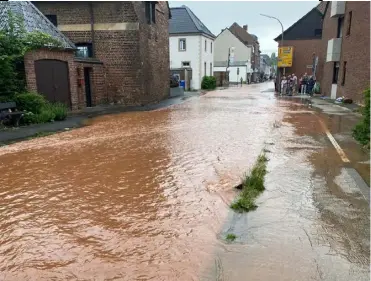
x: 8, y: 113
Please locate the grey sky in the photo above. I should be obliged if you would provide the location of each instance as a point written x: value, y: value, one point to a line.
x: 219, y: 15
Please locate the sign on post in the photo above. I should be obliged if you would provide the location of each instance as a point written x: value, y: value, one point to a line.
x: 285, y: 55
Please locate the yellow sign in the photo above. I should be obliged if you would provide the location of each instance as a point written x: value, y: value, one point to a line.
x: 285, y: 55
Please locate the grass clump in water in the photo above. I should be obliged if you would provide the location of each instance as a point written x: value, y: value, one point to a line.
x: 252, y: 186
x: 230, y: 237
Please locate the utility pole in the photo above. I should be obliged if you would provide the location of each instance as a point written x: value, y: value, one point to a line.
x: 284, y: 69
x: 229, y: 58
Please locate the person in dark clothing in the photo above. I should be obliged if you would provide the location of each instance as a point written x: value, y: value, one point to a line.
x: 311, y: 83
x: 304, y: 84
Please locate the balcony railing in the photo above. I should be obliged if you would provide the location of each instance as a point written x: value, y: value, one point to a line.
x: 333, y: 49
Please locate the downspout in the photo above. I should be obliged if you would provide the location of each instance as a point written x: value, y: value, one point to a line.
x: 92, y: 28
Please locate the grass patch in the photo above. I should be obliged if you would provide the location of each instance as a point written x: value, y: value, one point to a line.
x: 40, y: 135
x: 230, y: 237
x: 252, y: 186
x: 361, y: 131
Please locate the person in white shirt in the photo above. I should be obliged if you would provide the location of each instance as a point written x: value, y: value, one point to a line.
x: 283, y: 85
x: 295, y: 84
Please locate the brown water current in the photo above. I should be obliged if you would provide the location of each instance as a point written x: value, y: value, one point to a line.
x: 145, y: 196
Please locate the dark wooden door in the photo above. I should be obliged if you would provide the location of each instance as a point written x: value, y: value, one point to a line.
x: 52, y: 80
x: 87, y: 86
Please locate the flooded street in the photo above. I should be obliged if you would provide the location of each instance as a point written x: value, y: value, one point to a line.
x: 145, y: 195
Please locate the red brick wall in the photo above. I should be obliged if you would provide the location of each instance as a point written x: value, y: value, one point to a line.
x: 154, y: 52
x: 329, y: 31
x: 136, y: 61
x: 356, y: 52
x: 303, y: 56
x: 99, y: 92
x: 29, y: 61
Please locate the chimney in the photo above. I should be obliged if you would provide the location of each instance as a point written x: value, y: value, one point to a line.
x: 245, y: 27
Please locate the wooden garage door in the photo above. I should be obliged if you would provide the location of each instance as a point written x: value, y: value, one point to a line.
x: 52, y: 80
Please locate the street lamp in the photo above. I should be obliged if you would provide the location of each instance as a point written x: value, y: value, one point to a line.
x: 230, y: 56
x: 281, y: 34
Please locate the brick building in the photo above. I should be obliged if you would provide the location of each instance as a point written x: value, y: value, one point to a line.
x: 129, y: 39
x: 346, y: 49
x: 251, y: 40
x: 305, y: 36
x: 119, y: 52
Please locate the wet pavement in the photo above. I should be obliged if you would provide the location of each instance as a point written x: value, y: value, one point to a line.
x: 145, y: 195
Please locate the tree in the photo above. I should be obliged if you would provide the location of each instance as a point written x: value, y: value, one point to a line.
x: 273, y: 59
x: 15, y: 42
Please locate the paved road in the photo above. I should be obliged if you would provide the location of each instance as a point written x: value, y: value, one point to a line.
x: 145, y: 195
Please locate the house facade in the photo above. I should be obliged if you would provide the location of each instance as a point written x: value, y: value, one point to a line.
x: 122, y: 49
x: 346, y: 49
x: 305, y: 36
x: 265, y: 65
x: 250, y: 40
x: 191, y: 45
x: 240, y: 67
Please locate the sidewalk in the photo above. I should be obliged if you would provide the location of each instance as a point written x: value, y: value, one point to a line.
x: 327, y: 105
x: 77, y: 119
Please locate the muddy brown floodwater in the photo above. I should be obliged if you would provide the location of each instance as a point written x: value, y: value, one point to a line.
x: 145, y: 196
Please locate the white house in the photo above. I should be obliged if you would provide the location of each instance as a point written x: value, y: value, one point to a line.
x: 240, y: 66
x: 191, y: 45
x: 265, y: 65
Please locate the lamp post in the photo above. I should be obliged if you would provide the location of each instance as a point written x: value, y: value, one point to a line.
x: 229, y: 59
x: 267, y: 16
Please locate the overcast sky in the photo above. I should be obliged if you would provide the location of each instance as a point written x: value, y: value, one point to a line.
x: 219, y: 15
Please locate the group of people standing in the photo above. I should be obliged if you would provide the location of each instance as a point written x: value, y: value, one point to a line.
x: 291, y: 86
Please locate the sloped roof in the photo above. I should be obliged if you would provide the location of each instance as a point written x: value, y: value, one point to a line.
x: 183, y: 20
x: 266, y: 58
x: 242, y: 34
x: 34, y: 20
x: 320, y: 8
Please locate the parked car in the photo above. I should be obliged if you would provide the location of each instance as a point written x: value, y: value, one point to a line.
x: 174, y: 81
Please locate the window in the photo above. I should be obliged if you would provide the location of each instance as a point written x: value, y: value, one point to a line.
x: 340, y: 27
x: 150, y: 9
x: 204, y: 68
x: 84, y: 50
x: 182, y: 44
x: 205, y: 46
x: 318, y: 32
x: 186, y: 63
x: 211, y: 47
x: 335, y: 73
x: 52, y: 19
x: 211, y: 69
x: 344, y: 73
x: 349, y: 22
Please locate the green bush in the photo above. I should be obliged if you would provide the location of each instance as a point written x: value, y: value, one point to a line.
x: 208, y: 83
x: 361, y: 132
x: 59, y: 110
x: 46, y: 115
x: 15, y: 42
x: 38, y: 110
x: 31, y: 102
